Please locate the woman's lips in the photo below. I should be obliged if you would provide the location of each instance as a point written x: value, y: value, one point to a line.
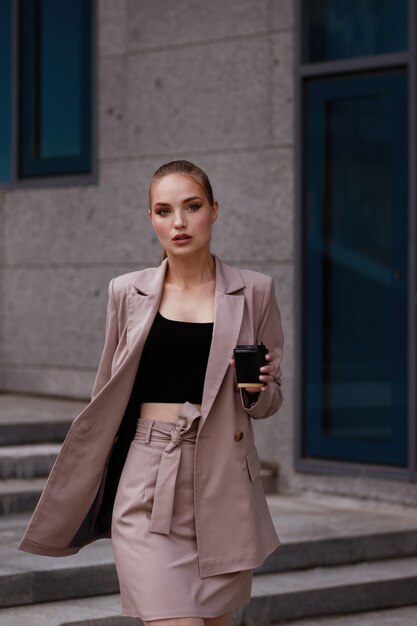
x: 182, y: 240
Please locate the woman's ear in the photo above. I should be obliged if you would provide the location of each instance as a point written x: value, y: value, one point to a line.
x: 214, y: 211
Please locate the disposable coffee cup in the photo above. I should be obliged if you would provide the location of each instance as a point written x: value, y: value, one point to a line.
x: 248, y: 360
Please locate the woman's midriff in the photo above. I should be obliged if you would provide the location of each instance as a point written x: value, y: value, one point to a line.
x: 163, y: 411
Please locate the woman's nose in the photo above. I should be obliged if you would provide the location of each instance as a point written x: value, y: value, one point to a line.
x: 179, y: 221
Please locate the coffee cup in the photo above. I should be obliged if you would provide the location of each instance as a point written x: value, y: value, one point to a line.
x: 248, y: 360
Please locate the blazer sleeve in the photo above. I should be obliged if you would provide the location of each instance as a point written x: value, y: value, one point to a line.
x: 111, y: 339
x: 266, y: 403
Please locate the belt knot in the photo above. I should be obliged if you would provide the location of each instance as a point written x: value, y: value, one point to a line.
x: 176, y: 437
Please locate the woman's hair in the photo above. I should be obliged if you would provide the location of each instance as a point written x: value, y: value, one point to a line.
x: 183, y: 167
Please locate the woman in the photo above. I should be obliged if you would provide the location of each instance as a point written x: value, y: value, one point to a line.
x: 180, y: 486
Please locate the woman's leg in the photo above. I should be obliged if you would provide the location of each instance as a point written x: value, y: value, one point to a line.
x: 222, y: 620
x: 176, y: 621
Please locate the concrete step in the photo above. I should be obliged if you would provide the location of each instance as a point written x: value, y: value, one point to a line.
x: 318, y: 526
x: 309, y: 541
x: 27, y: 579
x: 341, y: 551
x: 30, y: 579
x: 401, y: 616
x: 105, y: 610
x: 97, y: 611
x: 332, y: 590
x: 318, y: 530
x: 41, y: 431
x: 30, y: 461
x: 19, y: 495
x: 35, y: 419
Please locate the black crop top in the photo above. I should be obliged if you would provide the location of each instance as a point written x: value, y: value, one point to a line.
x: 173, y: 364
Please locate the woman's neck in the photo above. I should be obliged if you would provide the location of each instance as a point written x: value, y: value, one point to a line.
x: 190, y: 271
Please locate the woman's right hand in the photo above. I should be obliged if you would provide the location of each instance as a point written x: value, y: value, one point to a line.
x: 266, y: 373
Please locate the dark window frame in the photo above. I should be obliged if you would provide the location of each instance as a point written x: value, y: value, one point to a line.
x: 59, y: 179
x: 407, y: 60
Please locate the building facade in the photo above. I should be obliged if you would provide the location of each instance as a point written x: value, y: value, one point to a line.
x: 303, y: 115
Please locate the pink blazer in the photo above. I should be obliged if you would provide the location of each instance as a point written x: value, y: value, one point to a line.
x: 233, y: 523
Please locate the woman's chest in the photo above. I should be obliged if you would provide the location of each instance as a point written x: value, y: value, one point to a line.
x: 188, y: 306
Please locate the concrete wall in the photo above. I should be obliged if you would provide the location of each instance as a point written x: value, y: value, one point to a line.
x: 207, y: 81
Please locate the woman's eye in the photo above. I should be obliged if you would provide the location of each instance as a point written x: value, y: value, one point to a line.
x: 163, y: 212
x: 194, y: 207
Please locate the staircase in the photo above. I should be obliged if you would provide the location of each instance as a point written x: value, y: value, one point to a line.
x: 339, y: 558
x: 31, y: 431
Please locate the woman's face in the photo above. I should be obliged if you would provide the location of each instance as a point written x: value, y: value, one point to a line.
x: 181, y: 214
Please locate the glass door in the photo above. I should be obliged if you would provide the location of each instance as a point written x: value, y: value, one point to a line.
x: 355, y: 269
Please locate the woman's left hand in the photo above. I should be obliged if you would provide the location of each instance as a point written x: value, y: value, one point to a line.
x: 266, y: 375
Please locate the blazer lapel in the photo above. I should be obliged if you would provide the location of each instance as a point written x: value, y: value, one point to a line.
x: 228, y: 315
x: 144, y: 298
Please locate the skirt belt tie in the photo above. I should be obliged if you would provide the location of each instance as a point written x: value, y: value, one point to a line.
x: 163, y: 503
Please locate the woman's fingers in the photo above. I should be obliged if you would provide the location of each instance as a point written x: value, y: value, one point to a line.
x: 267, y: 371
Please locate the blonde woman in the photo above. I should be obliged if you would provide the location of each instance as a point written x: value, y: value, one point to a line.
x: 163, y: 458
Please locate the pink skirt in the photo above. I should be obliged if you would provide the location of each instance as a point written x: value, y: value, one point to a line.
x: 153, y: 531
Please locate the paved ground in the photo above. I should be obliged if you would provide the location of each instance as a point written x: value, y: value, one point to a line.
x: 312, y: 516
x: 308, y: 519
x: 70, y: 610
x: 360, y: 540
x: 394, y: 617
x: 298, y: 519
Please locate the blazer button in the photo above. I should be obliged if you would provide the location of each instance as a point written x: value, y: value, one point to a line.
x: 238, y: 435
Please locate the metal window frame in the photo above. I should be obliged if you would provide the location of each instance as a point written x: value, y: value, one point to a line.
x: 406, y: 60
x: 60, y: 180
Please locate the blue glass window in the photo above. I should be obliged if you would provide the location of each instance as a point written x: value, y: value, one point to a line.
x: 339, y: 29
x: 55, y: 87
x: 5, y: 87
x: 355, y: 259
